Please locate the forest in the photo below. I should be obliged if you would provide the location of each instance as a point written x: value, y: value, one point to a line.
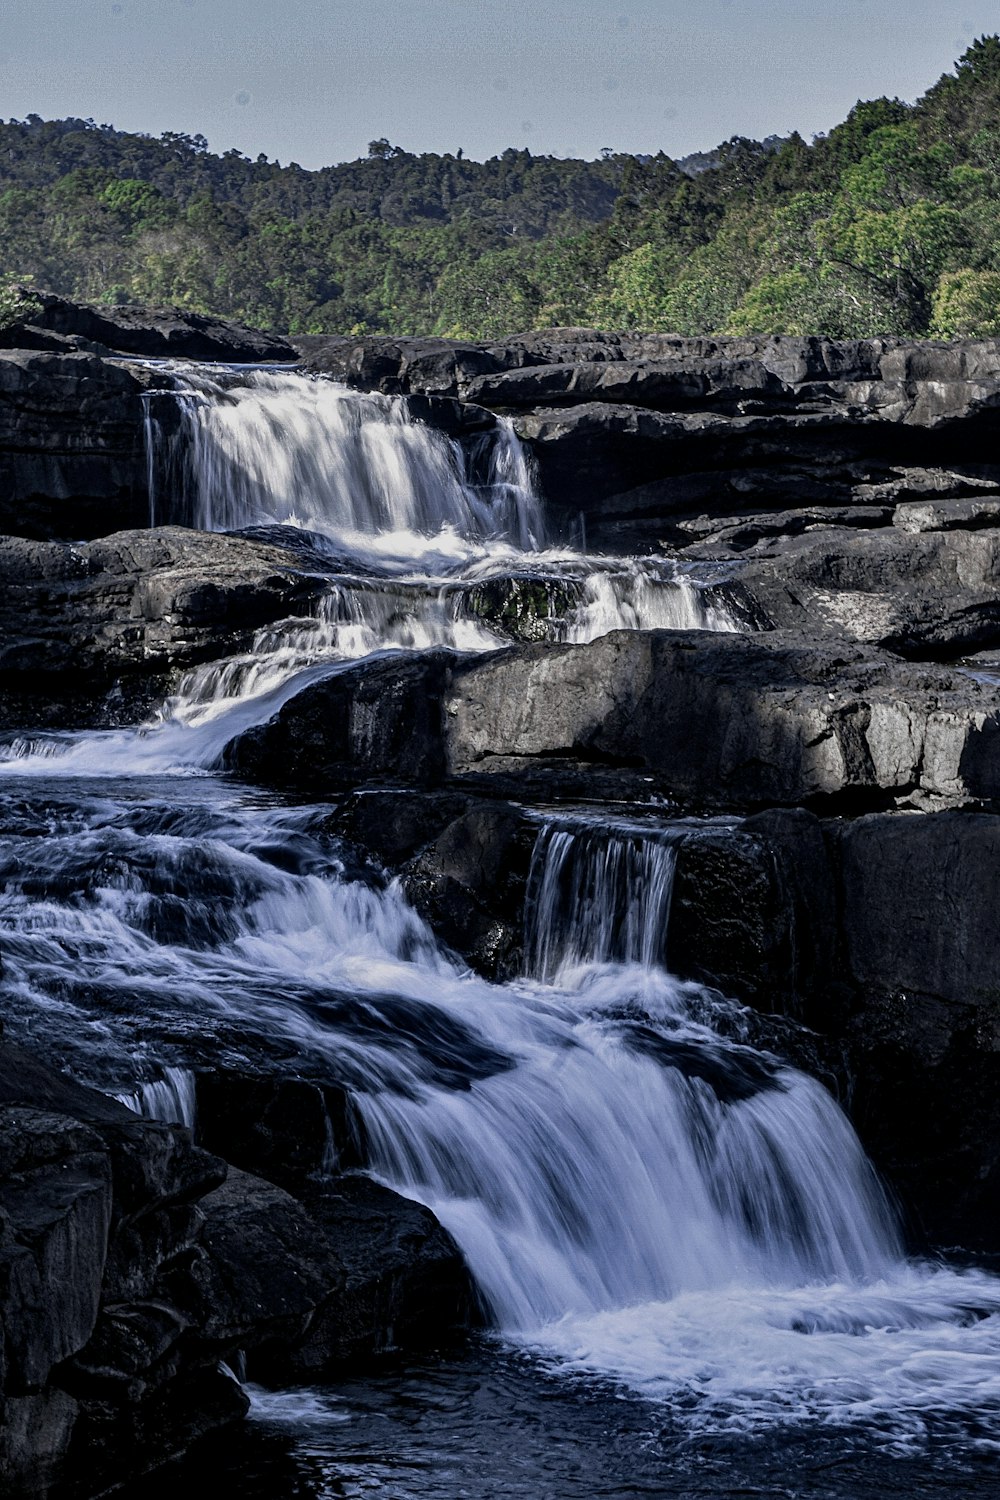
x: 888, y: 224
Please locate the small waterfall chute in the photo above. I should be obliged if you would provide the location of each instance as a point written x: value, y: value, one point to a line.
x: 597, y: 894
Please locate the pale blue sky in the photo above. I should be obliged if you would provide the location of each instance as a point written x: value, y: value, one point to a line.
x: 314, y: 80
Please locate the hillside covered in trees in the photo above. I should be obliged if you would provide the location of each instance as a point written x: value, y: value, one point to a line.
x: 889, y: 224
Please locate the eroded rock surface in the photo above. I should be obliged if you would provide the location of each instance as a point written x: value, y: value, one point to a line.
x: 132, y: 1262
x: 715, y: 720
x: 98, y: 632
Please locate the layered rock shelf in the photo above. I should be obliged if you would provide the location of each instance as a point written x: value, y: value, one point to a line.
x: 829, y: 768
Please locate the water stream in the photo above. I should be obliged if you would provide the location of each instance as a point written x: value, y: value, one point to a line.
x: 644, y: 1198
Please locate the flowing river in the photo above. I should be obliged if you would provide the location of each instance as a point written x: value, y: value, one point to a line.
x: 692, y: 1270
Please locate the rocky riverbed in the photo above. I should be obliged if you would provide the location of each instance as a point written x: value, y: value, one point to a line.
x: 762, y: 630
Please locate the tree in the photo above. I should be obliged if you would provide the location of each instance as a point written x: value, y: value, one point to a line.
x: 966, y: 304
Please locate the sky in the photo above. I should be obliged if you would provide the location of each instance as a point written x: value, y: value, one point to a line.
x: 313, y: 81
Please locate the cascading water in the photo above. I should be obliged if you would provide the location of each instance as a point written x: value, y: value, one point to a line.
x: 638, y: 1194
x: 278, y: 448
x: 410, y: 533
x: 597, y: 897
x: 170, y: 1098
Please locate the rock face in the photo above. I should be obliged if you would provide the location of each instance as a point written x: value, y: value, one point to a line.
x: 653, y: 439
x: 72, y: 461
x: 463, y: 862
x: 723, y: 721
x: 97, y: 633
x: 877, y: 933
x: 150, y: 332
x: 132, y: 1262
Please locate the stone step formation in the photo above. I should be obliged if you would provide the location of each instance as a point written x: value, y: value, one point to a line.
x: 321, y: 686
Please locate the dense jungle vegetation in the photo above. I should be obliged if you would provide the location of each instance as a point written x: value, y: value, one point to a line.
x: 888, y: 224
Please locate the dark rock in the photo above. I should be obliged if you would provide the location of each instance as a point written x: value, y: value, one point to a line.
x: 265, y: 1269
x: 97, y: 632
x: 344, y: 1269
x: 89, y: 1237
x: 150, y: 332
x: 712, y: 719
x: 404, y: 1282
x: 752, y: 909
x: 131, y: 1262
x: 421, y: 366
x: 380, y: 719
x: 469, y: 883
x: 72, y: 461
x: 927, y: 594
x: 281, y: 1127
x: 917, y: 949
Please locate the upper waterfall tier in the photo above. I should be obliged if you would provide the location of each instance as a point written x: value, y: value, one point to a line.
x: 284, y: 448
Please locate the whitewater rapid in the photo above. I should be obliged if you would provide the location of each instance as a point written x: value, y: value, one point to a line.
x: 640, y: 1191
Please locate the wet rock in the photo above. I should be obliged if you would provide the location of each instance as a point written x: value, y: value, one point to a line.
x: 469, y: 883
x: 379, y: 720
x: 340, y: 1269
x: 752, y: 911
x: 404, y: 1282
x: 281, y: 1127
x: 94, y: 1221
x: 72, y: 462
x: 95, y: 633
x: 462, y: 860
x: 265, y: 1268
x: 522, y: 608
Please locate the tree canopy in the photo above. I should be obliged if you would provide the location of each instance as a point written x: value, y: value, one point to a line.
x: 888, y: 224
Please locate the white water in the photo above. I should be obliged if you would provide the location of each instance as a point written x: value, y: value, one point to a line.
x: 278, y: 448
x: 394, y: 503
x: 597, y: 895
x: 638, y: 1191
x: 170, y: 1098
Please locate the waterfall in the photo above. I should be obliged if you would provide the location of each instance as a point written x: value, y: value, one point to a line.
x: 416, y: 528
x: 597, y: 895
x: 638, y: 1193
x: 279, y: 448
x: 633, y: 1153
x: 170, y: 1098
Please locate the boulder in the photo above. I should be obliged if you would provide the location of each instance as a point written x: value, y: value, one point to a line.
x: 97, y: 633
x: 719, y: 720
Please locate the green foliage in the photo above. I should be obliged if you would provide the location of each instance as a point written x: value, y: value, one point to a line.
x: 888, y: 224
x: 966, y: 304
x: 17, y: 302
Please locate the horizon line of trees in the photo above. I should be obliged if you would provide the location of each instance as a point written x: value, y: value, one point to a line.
x: 890, y: 223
